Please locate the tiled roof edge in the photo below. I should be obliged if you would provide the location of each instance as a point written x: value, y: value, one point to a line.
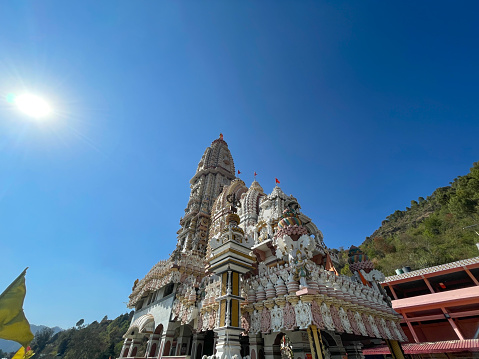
x: 429, y: 270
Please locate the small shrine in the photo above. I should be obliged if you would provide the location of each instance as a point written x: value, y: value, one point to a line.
x: 251, y: 278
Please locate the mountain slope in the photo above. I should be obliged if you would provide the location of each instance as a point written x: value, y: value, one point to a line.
x: 8, y: 346
x: 98, y: 340
x: 430, y: 232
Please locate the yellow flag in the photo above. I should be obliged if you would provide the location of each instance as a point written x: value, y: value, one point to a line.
x: 13, y: 324
x: 23, y: 354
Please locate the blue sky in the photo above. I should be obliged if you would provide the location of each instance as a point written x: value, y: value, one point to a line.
x: 356, y: 107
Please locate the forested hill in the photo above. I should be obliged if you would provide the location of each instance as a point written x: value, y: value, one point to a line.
x: 430, y: 232
x: 98, y: 340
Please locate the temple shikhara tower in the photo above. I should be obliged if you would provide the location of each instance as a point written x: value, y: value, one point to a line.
x: 252, y: 278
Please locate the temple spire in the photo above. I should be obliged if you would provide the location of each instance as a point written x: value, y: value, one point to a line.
x: 215, y: 170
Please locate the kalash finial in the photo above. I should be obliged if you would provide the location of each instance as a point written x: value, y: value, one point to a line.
x: 221, y: 136
x: 290, y: 225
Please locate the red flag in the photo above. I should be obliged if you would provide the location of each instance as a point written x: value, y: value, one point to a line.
x: 239, y: 172
x: 277, y: 180
x: 255, y: 174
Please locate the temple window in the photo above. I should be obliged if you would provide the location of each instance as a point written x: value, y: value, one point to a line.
x: 169, y: 289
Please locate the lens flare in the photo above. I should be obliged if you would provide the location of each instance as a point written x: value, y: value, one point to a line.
x: 32, y: 105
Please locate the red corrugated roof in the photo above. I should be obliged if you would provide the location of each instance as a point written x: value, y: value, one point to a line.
x: 450, y: 346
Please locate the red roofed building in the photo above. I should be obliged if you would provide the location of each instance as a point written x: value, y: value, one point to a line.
x: 440, y: 309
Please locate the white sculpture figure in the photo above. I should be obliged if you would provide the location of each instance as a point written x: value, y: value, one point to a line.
x: 255, y: 322
x: 262, y: 268
x: 301, y: 271
x: 303, y: 314
x: 373, y: 326
x: 362, y: 327
x: 307, y: 245
x: 206, y: 317
x: 276, y: 319
x: 386, y: 329
x: 345, y: 320
x: 287, y: 246
x: 328, y: 320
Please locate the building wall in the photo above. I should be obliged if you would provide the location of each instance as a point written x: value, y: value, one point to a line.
x: 161, y: 310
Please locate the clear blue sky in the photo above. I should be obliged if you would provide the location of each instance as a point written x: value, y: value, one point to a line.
x: 356, y: 107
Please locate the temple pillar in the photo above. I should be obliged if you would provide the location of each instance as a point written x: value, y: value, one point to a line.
x: 152, y: 346
x: 395, y: 349
x: 148, y: 346
x: 256, y: 343
x: 133, y: 348
x: 126, y: 348
x: 230, y: 260
x: 179, y: 341
x: 271, y: 350
x: 162, y: 340
x: 228, y: 343
x: 198, y: 344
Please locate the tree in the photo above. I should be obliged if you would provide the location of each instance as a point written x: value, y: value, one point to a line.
x: 41, y: 339
x: 80, y: 323
x: 62, y: 348
x: 462, y: 206
x: 346, y: 270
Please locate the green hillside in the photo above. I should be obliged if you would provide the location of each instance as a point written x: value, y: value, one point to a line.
x: 430, y: 232
x: 98, y: 340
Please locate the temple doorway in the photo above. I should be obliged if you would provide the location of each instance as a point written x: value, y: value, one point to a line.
x: 209, y: 346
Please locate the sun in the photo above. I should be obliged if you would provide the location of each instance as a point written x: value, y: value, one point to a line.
x: 33, y: 105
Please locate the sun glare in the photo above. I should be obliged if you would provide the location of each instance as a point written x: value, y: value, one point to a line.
x: 32, y: 105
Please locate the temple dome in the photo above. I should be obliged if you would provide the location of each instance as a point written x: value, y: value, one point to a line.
x: 256, y: 187
x: 250, y: 203
x: 290, y: 225
x: 289, y: 218
x: 359, y: 260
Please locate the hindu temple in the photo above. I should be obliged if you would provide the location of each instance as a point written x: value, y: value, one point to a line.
x: 251, y: 277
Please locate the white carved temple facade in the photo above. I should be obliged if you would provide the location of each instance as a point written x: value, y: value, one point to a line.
x: 252, y: 278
